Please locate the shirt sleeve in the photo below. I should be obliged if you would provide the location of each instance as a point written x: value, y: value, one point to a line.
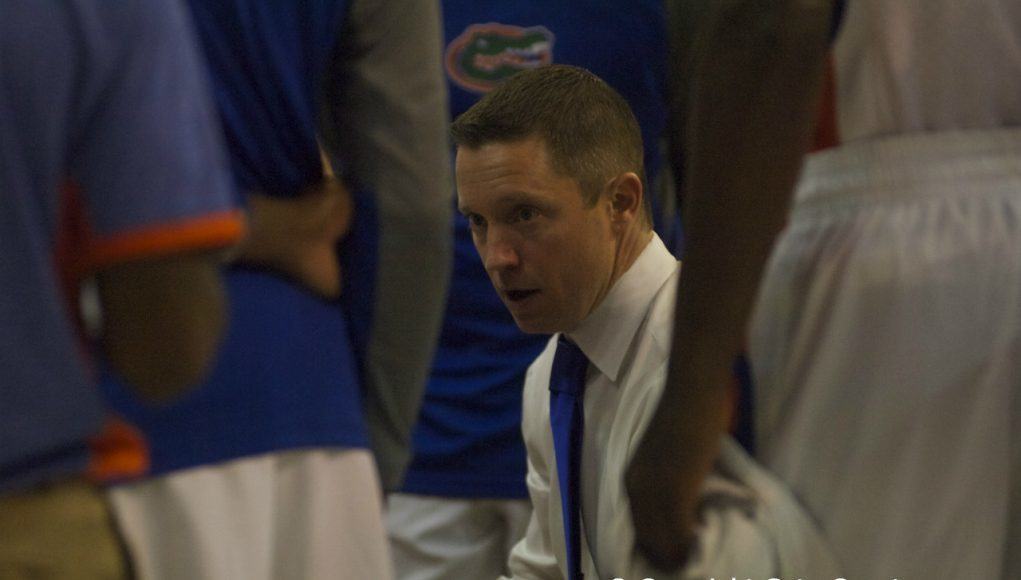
x: 385, y: 116
x: 533, y: 557
x: 147, y: 154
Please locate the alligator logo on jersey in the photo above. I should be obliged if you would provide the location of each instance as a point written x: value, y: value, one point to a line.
x: 486, y: 54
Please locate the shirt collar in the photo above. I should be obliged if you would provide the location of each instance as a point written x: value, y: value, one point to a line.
x: 606, y: 334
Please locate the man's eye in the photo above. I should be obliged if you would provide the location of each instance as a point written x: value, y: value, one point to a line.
x: 476, y: 220
x: 527, y: 214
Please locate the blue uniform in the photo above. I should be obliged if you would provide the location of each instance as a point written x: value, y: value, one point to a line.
x: 113, y: 133
x: 286, y: 376
x: 468, y: 440
x: 277, y: 437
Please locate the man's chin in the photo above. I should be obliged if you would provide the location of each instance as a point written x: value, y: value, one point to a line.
x: 535, y: 325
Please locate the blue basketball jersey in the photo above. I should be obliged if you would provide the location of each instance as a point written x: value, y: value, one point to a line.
x: 286, y: 375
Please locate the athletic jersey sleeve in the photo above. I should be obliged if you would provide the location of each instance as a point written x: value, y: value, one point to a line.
x: 147, y: 155
x: 386, y: 116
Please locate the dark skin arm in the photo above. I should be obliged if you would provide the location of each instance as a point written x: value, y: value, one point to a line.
x: 162, y: 321
x: 163, y: 318
x: 298, y: 237
x: 684, y: 18
x: 757, y: 71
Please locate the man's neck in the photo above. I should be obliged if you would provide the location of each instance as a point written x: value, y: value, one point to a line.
x: 633, y: 242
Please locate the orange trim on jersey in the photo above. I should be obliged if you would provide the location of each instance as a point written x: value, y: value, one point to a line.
x: 826, y: 132
x: 118, y: 452
x: 205, y: 232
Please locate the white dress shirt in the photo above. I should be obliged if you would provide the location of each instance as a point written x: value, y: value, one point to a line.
x: 627, y: 341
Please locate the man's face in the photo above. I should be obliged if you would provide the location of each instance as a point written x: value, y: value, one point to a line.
x: 549, y: 256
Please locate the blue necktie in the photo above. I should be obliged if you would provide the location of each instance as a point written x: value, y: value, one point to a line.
x: 567, y: 419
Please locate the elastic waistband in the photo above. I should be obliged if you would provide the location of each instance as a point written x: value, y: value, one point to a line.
x: 919, y: 163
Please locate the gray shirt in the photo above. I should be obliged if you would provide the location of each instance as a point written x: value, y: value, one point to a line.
x: 386, y: 110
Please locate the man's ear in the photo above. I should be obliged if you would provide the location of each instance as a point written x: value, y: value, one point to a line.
x: 626, y: 198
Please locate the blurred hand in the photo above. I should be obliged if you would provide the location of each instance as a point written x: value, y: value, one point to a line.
x: 298, y: 236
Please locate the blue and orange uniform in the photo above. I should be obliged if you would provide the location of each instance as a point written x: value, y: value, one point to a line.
x: 298, y: 375
x: 133, y: 169
x: 109, y: 155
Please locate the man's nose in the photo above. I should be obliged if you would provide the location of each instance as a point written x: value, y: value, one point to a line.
x: 501, y: 255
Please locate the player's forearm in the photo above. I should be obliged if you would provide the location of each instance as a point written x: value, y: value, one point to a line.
x: 162, y: 321
x: 751, y: 117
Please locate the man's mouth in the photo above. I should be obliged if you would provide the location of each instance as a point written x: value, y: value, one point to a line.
x: 519, y: 295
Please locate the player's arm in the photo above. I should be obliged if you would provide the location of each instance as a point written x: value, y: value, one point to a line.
x: 757, y: 74
x: 162, y: 319
x: 147, y: 160
x: 298, y: 236
x: 386, y: 117
x: 683, y: 20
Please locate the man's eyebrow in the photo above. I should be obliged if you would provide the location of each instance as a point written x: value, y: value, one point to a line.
x: 519, y: 198
x: 508, y: 199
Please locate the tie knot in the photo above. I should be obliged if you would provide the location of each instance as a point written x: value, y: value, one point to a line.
x: 569, y: 366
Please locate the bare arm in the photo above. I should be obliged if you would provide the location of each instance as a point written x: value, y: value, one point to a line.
x: 757, y: 75
x: 683, y: 20
x: 149, y: 167
x: 298, y: 236
x: 163, y: 319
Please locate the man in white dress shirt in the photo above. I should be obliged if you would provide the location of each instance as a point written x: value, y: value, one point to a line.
x: 549, y: 175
